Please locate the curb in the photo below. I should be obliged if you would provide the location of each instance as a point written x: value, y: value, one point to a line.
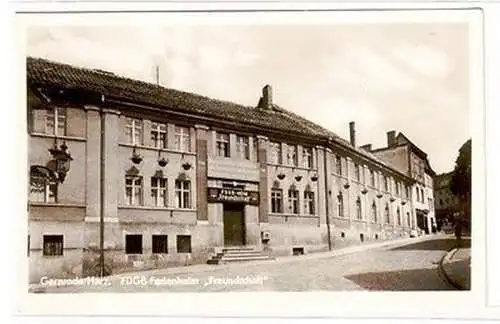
x: 445, y: 259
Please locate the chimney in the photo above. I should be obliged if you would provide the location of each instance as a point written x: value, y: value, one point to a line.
x: 352, y: 133
x: 266, y: 101
x: 366, y: 147
x: 391, y: 138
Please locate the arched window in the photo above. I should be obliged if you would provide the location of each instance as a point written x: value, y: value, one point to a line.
x: 398, y: 213
x: 133, y: 187
x: 43, y: 185
x: 183, y: 191
x: 340, y: 205
x: 387, y: 214
x: 309, y: 201
x: 293, y: 200
x: 359, y: 212
x: 374, y: 212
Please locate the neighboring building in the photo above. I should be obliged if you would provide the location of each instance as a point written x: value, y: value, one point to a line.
x: 176, y: 176
x: 446, y: 203
x: 413, y: 162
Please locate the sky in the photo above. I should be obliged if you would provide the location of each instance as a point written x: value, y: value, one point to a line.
x: 411, y: 78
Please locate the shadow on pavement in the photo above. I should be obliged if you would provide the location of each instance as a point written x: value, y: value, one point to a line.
x: 439, y: 244
x: 400, y: 280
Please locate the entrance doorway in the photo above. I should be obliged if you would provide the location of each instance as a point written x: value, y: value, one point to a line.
x: 234, y: 224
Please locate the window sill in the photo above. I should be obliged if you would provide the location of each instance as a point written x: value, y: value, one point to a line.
x: 167, y: 209
x: 293, y: 215
x: 359, y: 221
x: 43, y: 204
x: 151, y: 148
x: 69, y: 138
x: 292, y: 167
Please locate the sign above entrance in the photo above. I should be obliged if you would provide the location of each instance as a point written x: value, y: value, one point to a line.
x: 233, y: 195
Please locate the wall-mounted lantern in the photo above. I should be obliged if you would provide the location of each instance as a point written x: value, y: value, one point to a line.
x: 298, y: 177
x: 186, y: 166
x: 314, y: 177
x: 281, y: 176
x: 62, y: 160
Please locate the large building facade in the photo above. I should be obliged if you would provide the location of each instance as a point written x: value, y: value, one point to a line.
x: 409, y: 159
x: 155, y: 177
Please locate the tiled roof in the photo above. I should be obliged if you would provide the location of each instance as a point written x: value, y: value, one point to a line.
x: 44, y: 72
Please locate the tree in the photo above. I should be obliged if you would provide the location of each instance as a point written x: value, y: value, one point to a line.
x: 460, y: 184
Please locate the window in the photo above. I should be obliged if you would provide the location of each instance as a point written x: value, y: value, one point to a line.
x: 133, y: 131
x: 55, y: 121
x: 159, y: 192
x: 359, y: 212
x: 374, y: 212
x: 430, y: 203
x: 53, y: 245
x: 291, y: 155
x: 160, y: 244
x: 293, y: 201
x: 133, y: 244
x: 309, y: 202
x: 182, y: 139
x: 441, y: 202
x: 398, y: 191
x: 407, y: 189
x: 338, y: 165
x: 418, y: 194
x: 340, y: 205
x: 183, y: 193
x: 276, y: 201
x: 408, y: 219
x: 386, y: 183
x: 222, y: 144
x: 357, y: 175
x: 159, y: 135
x: 372, y: 178
x: 307, y: 160
x: 183, y: 243
x: 133, y: 190
x: 242, y: 147
x: 387, y: 214
x: 422, y: 197
x: 42, y: 188
x: 398, y: 215
x: 275, y: 149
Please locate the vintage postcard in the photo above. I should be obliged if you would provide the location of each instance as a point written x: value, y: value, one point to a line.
x: 254, y: 152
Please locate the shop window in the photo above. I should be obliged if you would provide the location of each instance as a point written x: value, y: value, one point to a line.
x: 133, y: 244
x: 52, y: 245
x: 183, y: 243
x: 160, y: 243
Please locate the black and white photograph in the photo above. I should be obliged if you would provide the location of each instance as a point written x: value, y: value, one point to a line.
x: 252, y: 152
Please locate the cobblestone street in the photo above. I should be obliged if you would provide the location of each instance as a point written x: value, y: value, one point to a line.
x: 413, y: 266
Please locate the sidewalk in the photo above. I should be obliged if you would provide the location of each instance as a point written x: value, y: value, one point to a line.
x: 192, y: 269
x: 456, y: 267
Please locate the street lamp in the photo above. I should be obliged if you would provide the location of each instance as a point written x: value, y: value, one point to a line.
x: 62, y: 160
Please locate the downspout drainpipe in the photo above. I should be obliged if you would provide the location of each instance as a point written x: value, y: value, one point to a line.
x: 102, y: 190
x: 327, y: 203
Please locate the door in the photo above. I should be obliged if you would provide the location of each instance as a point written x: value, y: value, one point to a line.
x: 234, y: 225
